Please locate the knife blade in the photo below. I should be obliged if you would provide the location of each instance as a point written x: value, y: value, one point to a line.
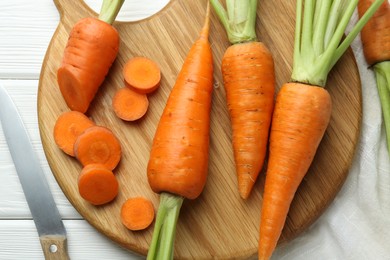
x: 47, y: 219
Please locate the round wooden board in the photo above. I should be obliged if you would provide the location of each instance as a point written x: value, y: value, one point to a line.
x: 218, y: 224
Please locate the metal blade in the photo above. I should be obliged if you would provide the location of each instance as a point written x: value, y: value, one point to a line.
x: 39, y: 198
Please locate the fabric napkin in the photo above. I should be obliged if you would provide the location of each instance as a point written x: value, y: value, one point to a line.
x: 357, y: 223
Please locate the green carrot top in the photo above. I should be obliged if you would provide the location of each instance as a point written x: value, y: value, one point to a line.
x: 320, y: 28
x: 239, y: 19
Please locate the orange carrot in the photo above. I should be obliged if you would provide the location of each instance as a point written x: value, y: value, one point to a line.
x: 142, y: 74
x: 68, y: 127
x: 178, y: 163
x: 91, y: 49
x: 376, y: 47
x: 129, y: 105
x: 303, y: 108
x: 376, y: 34
x: 98, y: 144
x: 137, y: 213
x: 249, y: 81
x: 97, y: 184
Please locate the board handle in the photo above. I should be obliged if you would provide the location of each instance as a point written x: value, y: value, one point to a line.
x: 54, y: 247
x: 74, y: 8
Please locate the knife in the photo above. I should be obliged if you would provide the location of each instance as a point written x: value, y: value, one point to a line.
x: 47, y: 219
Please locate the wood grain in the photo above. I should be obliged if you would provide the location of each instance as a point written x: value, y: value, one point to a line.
x: 218, y: 224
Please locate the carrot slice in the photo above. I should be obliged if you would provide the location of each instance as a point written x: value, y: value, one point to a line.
x: 137, y: 213
x: 142, y: 74
x: 129, y: 105
x: 68, y: 127
x: 98, y: 144
x: 97, y: 184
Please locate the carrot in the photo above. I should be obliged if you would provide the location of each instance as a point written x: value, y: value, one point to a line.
x: 129, y: 105
x: 376, y: 34
x: 91, y: 49
x: 137, y: 213
x: 249, y: 81
x: 303, y: 108
x: 68, y: 127
x: 142, y: 74
x: 375, y: 37
x: 97, y: 184
x: 178, y: 163
x: 98, y: 144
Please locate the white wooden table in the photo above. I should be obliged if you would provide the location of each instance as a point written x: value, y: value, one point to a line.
x: 26, y: 28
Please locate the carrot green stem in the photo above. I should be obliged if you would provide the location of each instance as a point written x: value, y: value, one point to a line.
x: 109, y: 10
x: 320, y: 27
x: 382, y: 73
x: 161, y: 247
x: 239, y: 19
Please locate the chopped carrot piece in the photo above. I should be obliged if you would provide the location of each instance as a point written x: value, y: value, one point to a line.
x: 137, y: 213
x: 98, y: 144
x: 129, y: 105
x: 68, y: 127
x: 142, y: 74
x: 97, y: 184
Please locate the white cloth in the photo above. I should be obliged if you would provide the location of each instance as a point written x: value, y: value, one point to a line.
x: 357, y: 223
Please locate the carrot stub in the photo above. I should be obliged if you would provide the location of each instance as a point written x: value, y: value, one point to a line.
x: 142, y: 74
x: 68, y: 127
x: 137, y: 213
x: 129, y: 105
x: 91, y: 49
x: 98, y: 144
x: 97, y: 184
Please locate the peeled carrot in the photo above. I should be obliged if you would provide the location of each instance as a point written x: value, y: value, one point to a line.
x: 178, y: 163
x: 137, y: 213
x: 375, y: 37
x: 98, y: 144
x: 249, y: 81
x: 303, y: 108
x: 129, y: 105
x: 91, y: 49
x: 68, y: 127
x: 142, y: 74
x: 97, y: 184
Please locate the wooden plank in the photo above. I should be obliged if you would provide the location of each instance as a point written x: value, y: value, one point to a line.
x: 166, y: 39
x: 13, y: 203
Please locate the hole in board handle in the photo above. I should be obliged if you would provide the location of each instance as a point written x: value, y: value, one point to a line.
x: 132, y: 10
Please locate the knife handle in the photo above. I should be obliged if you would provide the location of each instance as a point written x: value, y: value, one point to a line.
x: 54, y: 247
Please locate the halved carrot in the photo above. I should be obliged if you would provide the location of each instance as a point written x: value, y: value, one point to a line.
x: 129, y: 105
x: 137, y: 213
x: 142, y: 74
x: 98, y: 144
x: 97, y: 184
x: 91, y: 49
x: 68, y: 127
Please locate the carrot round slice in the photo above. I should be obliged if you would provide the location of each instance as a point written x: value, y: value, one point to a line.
x: 142, y: 74
x: 97, y: 184
x: 129, y: 105
x: 68, y: 127
x: 98, y: 144
x: 137, y: 213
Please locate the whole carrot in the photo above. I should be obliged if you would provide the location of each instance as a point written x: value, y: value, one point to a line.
x: 178, y: 163
x: 303, y: 108
x: 249, y: 80
x: 91, y: 49
x: 375, y: 37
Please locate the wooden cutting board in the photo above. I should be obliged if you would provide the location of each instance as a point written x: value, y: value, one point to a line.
x: 218, y: 224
